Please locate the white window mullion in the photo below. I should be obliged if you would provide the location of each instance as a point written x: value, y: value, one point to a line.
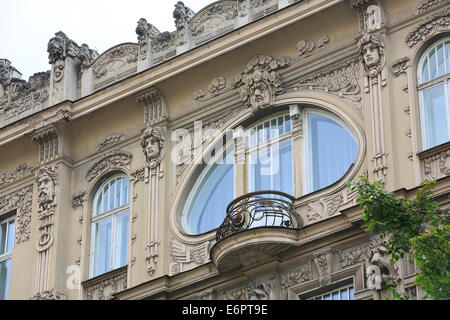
x: 113, y: 246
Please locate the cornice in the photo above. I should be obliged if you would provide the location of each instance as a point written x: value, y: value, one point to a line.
x: 188, y: 60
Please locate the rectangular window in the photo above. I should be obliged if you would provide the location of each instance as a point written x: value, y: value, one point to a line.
x: 343, y: 293
x: 435, y: 114
x: 7, y: 228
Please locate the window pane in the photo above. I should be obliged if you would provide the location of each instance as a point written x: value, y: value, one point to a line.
x: 440, y: 58
x: 350, y: 290
x: 121, y: 240
x: 252, y: 137
x: 344, y: 294
x: 5, y: 270
x: 433, y: 66
x: 125, y: 196
x: 3, y: 230
x: 102, y: 247
x: 336, y: 295
x: 435, y: 116
x: 327, y: 297
x: 280, y: 126
x: 112, y: 193
x: 287, y: 123
x: 447, y: 56
x: 332, y: 151
x: 425, y: 74
x: 105, y: 198
x: 118, y: 189
x: 98, y: 206
x: 212, y: 196
x: 10, y: 240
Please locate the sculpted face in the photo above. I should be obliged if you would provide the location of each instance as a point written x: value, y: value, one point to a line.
x: 371, y: 55
x: 152, y: 148
x: 46, y: 189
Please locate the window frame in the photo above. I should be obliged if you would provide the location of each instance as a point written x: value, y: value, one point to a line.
x: 200, y: 181
x: 330, y: 293
x: 286, y: 136
x: 113, y: 214
x: 8, y: 255
x: 307, y: 168
x: 431, y: 83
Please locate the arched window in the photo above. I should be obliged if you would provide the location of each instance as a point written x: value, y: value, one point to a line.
x: 110, y: 220
x: 331, y: 151
x: 433, y: 76
x: 214, y: 188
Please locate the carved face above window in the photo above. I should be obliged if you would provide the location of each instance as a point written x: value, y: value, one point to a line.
x: 371, y: 55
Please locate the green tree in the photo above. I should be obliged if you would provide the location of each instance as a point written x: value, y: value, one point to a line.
x: 414, y: 226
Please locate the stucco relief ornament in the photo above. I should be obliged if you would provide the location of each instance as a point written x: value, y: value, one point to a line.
x: 59, y: 47
x: 46, y: 184
x: 260, y: 81
x: 379, y: 269
x: 371, y: 50
x: 145, y: 31
x: 152, y: 143
x: 182, y: 15
x: 243, y: 7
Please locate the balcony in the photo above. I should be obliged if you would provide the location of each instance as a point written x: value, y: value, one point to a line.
x: 266, y: 223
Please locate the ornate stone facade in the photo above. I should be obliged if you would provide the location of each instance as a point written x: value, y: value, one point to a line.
x: 155, y: 110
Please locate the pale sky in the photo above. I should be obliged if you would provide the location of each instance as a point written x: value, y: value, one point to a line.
x: 26, y: 26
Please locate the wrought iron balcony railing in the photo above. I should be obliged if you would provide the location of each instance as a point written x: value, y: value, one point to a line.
x: 259, y: 209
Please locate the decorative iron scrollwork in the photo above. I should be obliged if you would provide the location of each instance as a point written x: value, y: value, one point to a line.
x: 259, y: 209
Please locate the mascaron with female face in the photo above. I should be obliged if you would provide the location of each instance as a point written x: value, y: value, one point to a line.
x: 151, y: 143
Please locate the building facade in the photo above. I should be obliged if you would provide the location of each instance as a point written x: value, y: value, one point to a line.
x: 211, y: 162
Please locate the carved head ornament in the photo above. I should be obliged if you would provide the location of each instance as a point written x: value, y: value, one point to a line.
x: 152, y: 143
x: 370, y: 48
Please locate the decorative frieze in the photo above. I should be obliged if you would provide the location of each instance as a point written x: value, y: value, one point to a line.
x: 255, y: 290
x: 213, y: 18
x: 109, y: 141
x: 292, y: 278
x: 436, y: 162
x: 21, y: 201
x: 113, y: 159
x: 216, y: 87
x: 306, y: 48
x: 260, y: 81
x: 186, y: 257
x: 22, y: 171
x: 78, y: 199
x: 400, y: 66
x: 104, y: 287
x: 432, y: 24
x: 52, y: 294
x: 341, y: 80
x: 427, y: 5
x: 115, y: 64
x: 329, y: 205
x: 19, y: 98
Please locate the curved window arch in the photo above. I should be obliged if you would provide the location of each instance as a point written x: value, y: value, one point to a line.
x: 331, y: 150
x: 110, y: 221
x: 213, y: 190
x: 433, y: 75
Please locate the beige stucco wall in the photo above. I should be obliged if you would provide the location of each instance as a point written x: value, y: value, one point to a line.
x: 81, y: 136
